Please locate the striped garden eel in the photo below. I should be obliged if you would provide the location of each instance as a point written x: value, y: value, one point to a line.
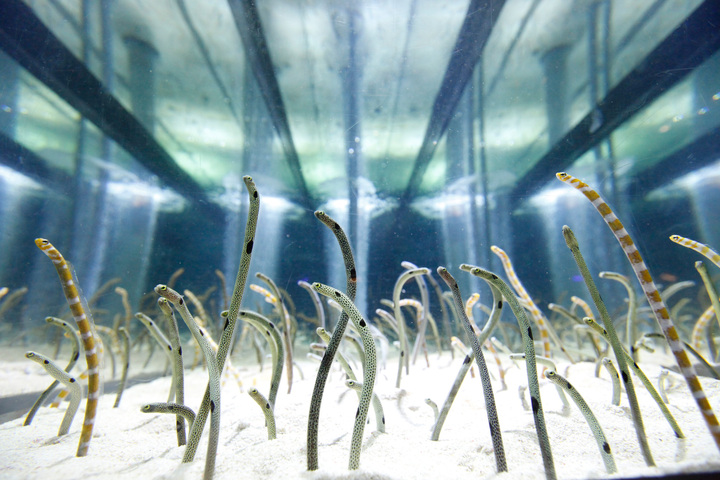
x: 73, y: 360
x: 469, y: 313
x: 67, y: 380
x: 531, y: 367
x: 495, y: 432
x: 333, y: 344
x: 214, y: 373
x: 231, y: 320
x: 377, y: 405
x: 542, y: 322
x: 701, y: 248
x: 125, y: 338
x: 701, y: 325
x: 404, y: 354
x: 369, y: 368
x: 602, y: 442
x: 654, y: 299
x: 709, y: 286
x: 86, y: 326
x: 267, y: 411
x: 277, y: 351
x: 178, y: 369
x: 630, y: 329
x: 614, y: 341
x: 171, y: 407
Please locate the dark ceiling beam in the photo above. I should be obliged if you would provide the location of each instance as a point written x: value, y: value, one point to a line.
x: 479, y: 20
x: 700, y: 153
x: 24, y: 38
x: 249, y: 27
x: 24, y: 161
x: 687, y: 47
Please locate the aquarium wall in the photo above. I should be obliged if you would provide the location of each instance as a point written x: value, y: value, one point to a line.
x: 430, y: 133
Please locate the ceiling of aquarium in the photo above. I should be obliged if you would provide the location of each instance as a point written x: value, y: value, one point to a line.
x: 319, y: 98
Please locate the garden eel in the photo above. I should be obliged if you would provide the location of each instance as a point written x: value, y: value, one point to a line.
x: 440, y: 419
x: 701, y: 325
x: 369, y: 368
x: 73, y: 360
x: 404, y: 354
x: 86, y: 326
x: 67, y: 380
x: 165, y: 346
x: 655, y: 301
x: 630, y: 328
x: 547, y: 363
x: 126, y: 364
x: 430, y: 403
x: 377, y: 406
x: 469, y: 313
x: 214, y: 373
x: 171, y: 407
x: 701, y: 248
x: 527, y: 336
x: 231, y: 320
x: 178, y: 369
x: 425, y: 300
x: 709, y: 286
x: 603, y: 445
x: 615, y: 380
x: 467, y: 362
x: 546, y: 329
x: 277, y: 351
x: 495, y: 432
x: 316, y: 301
x: 223, y: 287
x: 267, y: 411
x: 285, y: 319
x: 333, y: 344
x: 126, y: 304
x: 322, y: 333
x: 574, y: 247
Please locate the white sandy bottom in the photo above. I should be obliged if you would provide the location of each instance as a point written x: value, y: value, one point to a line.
x: 130, y: 444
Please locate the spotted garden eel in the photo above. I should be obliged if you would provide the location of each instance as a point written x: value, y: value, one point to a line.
x: 495, y: 433
x: 397, y: 290
x: 333, y: 344
x: 531, y: 366
x: 316, y: 301
x: 172, y: 408
x: 620, y: 357
x: 369, y: 368
x: 165, y: 346
x: 277, y: 351
x: 125, y: 338
x: 267, y: 411
x: 214, y: 373
x: 86, y: 326
x: 603, y: 445
x: 377, y: 405
x: 654, y: 299
x: 73, y: 360
x: 630, y: 328
x: 285, y: 319
x: 67, y: 380
x: 178, y: 369
x: 231, y: 320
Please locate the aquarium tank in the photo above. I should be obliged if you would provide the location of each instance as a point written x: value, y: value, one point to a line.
x: 495, y: 220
